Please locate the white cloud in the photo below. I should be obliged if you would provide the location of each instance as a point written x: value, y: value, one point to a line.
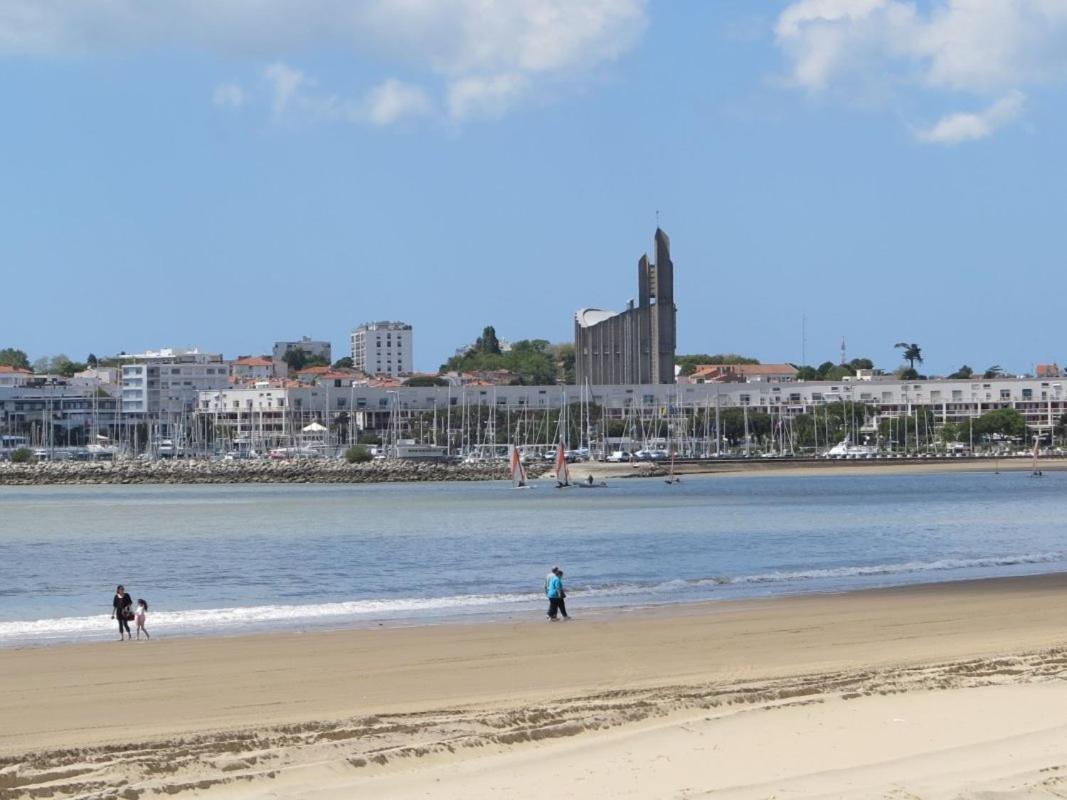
x: 960, y: 127
x: 228, y: 95
x: 393, y: 101
x: 483, y: 97
x: 478, y: 51
x: 986, y: 49
x: 286, y: 84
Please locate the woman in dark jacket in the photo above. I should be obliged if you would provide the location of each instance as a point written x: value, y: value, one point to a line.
x: 120, y: 608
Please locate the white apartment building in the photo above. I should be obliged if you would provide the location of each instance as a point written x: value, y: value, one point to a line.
x: 382, y: 348
x: 308, y: 345
x: 167, y: 382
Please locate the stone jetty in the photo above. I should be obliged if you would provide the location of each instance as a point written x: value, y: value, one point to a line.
x: 246, y: 471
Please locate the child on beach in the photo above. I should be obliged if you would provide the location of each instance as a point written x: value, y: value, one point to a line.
x: 139, y: 616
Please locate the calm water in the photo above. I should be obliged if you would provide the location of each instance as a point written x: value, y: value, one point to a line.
x: 237, y: 558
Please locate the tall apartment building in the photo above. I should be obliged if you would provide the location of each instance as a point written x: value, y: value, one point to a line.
x: 161, y: 384
x: 309, y: 346
x: 635, y: 346
x: 382, y: 348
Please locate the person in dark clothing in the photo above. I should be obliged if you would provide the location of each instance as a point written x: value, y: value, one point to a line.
x: 561, y: 605
x: 555, y: 593
x: 121, y: 609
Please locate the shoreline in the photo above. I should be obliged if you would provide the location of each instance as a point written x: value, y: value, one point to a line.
x: 385, y: 704
x: 872, y: 690
x: 530, y: 613
x: 325, y: 472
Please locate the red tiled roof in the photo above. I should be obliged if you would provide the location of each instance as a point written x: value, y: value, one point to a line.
x: 253, y: 361
x: 20, y: 370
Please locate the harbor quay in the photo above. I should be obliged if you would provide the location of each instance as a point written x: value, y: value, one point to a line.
x: 275, y: 414
x: 694, y: 418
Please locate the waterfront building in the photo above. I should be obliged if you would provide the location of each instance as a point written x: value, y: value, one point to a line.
x: 57, y: 413
x: 383, y: 348
x: 160, y: 387
x: 278, y: 412
x: 635, y: 346
x: 310, y: 347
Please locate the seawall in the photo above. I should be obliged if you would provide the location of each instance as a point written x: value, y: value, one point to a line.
x: 251, y: 471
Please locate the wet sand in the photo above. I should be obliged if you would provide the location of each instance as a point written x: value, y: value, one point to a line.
x: 662, y: 697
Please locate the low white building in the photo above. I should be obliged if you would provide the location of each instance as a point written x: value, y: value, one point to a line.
x: 383, y: 348
x: 252, y: 368
x: 14, y: 376
x: 279, y: 411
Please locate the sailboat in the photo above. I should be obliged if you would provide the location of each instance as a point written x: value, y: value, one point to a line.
x: 671, y: 477
x: 1035, y: 472
x: 518, y: 471
x: 563, y: 474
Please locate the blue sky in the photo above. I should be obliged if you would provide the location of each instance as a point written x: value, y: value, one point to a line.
x: 225, y: 175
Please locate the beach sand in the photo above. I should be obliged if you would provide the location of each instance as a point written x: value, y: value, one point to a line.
x: 948, y: 690
x: 791, y: 468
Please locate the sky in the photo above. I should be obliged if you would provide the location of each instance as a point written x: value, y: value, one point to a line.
x: 225, y: 175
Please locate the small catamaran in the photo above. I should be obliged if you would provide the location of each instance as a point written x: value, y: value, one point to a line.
x: 563, y: 473
x: 518, y: 471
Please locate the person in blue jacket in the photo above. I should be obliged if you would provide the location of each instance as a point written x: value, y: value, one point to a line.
x: 556, y: 595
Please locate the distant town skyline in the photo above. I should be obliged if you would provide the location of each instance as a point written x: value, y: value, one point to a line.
x: 880, y: 170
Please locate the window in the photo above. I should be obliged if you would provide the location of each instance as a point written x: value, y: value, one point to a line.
x: 1028, y: 394
x: 1005, y: 394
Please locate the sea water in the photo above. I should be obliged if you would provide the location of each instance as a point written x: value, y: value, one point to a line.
x: 236, y: 559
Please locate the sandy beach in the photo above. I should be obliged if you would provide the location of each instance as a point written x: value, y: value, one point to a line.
x: 791, y: 467
x: 942, y: 690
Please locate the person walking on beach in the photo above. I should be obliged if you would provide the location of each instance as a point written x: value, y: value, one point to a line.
x: 555, y: 593
x: 120, y: 609
x: 139, y: 617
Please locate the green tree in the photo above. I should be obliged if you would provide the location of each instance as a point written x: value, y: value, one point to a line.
x: 91, y: 361
x: 425, y: 380
x: 993, y: 372
x: 1000, y: 422
x: 22, y: 455
x: 487, y: 342
x: 689, y: 363
x: 565, y: 362
x: 358, y: 454
x: 963, y: 373
x: 343, y: 363
x: 295, y: 359
x: 57, y: 365
x: 860, y: 363
x: 531, y: 362
x: 10, y: 357
x: 912, y: 353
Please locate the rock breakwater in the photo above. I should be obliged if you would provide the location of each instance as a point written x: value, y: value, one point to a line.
x: 250, y: 471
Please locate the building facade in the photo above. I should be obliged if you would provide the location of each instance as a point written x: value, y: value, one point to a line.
x: 252, y: 368
x: 276, y: 412
x: 383, y: 348
x: 635, y: 346
x: 166, y: 382
x: 309, y: 346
